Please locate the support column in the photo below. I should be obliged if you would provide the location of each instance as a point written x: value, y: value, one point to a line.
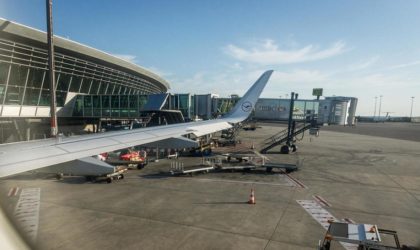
x: 28, y: 130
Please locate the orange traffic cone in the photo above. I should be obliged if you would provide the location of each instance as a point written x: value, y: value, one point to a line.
x: 252, y: 197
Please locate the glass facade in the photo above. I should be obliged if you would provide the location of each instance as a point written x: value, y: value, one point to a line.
x: 24, y: 79
x: 278, y: 109
x: 107, y: 106
x: 130, y: 106
x: 224, y: 105
x: 182, y: 102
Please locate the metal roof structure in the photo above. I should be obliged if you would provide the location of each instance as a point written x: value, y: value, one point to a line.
x: 27, y: 34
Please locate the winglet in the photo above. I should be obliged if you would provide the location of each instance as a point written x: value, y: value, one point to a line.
x: 244, y: 107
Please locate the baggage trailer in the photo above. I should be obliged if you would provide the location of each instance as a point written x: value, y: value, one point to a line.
x: 118, y: 174
x: 363, y: 236
x: 190, y: 170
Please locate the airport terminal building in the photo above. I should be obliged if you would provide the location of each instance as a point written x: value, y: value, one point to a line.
x: 89, y: 83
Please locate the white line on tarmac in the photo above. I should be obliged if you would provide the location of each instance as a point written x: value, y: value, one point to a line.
x: 288, y: 184
x: 322, y: 216
x: 13, y: 191
x: 27, y: 211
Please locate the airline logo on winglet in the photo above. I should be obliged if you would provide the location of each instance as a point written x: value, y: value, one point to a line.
x: 247, y: 106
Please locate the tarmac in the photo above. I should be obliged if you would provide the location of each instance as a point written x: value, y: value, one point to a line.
x: 366, y: 179
x: 396, y: 130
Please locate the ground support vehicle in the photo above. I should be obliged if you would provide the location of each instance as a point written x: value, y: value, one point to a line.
x: 362, y: 236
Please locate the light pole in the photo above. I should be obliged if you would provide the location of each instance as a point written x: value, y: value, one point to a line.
x: 51, y: 70
x: 380, y: 104
x: 411, y: 111
x: 374, y: 111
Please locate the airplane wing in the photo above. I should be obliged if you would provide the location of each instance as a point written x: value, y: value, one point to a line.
x: 24, y: 156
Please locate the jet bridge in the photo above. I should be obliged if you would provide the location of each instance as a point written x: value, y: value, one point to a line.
x: 288, y: 136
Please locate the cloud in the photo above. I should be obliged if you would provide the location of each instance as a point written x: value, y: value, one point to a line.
x: 300, y: 76
x: 158, y: 71
x: 229, y: 82
x: 363, y: 64
x: 195, y: 84
x: 404, y: 65
x: 126, y: 57
x: 269, y: 53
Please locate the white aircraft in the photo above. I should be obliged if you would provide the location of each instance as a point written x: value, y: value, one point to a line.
x: 20, y: 157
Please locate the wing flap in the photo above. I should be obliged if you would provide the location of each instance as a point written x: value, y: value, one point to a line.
x: 173, y: 143
x: 204, y: 129
x: 85, y: 167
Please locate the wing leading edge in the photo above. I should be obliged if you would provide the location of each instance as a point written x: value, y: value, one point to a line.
x: 25, y: 156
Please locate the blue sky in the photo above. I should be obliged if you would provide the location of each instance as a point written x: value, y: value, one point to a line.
x: 350, y: 48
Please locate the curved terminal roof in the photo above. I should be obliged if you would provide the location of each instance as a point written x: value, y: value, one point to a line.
x: 26, y: 33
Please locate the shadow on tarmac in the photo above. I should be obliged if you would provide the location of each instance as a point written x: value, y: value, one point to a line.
x: 222, y: 203
x: 155, y: 176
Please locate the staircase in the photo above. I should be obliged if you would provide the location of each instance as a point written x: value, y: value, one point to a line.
x: 282, y: 137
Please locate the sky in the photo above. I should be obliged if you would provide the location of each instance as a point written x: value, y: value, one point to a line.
x: 363, y: 49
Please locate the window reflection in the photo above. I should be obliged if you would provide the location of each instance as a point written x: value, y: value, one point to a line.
x: 2, y: 92
x: 4, y: 72
x: 45, y: 98
x: 94, y: 88
x: 18, y: 75
x: 75, y: 84
x: 63, y: 82
x: 103, y: 88
x: 87, y: 104
x: 36, y: 77
x: 14, y: 95
x: 60, y: 98
x: 96, y: 103
x: 85, y: 86
x: 31, y: 96
x: 78, y: 106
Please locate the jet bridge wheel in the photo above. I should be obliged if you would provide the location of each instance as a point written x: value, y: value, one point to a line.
x: 109, y: 180
x: 294, y: 148
x: 284, y: 149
